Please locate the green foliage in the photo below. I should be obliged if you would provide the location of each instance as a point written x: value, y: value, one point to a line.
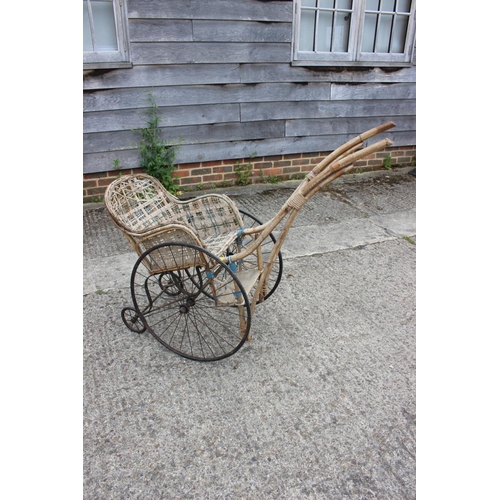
x: 117, y: 167
x: 388, y: 162
x: 244, y: 172
x: 261, y: 175
x: 157, y: 155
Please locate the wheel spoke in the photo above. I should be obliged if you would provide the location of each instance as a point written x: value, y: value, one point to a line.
x: 201, y: 321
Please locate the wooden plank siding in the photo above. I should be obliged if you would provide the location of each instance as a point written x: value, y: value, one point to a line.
x: 220, y: 73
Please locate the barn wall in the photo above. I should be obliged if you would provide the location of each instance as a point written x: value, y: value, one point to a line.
x: 220, y: 72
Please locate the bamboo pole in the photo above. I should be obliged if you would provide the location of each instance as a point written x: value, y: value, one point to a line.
x: 306, y: 190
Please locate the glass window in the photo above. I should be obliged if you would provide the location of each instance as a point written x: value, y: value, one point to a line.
x: 354, y: 31
x: 105, y: 35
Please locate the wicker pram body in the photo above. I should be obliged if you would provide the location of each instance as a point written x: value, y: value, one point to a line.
x: 149, y: 215
x: 201, y: 270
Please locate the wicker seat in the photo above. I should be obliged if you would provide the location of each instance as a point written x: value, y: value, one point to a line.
x: 149, y: 215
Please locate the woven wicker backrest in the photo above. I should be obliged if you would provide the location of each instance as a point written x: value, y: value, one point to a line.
x: 139, y: 202
x: 212, y: 215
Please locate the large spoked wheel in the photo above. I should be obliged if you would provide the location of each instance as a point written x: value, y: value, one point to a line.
x: 267, y: 246
x: 192, y: 303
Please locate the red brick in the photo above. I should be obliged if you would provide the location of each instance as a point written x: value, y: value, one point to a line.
x: 190, y: 180
x: 94, y: 192
x: 99, y: 175
x: 188, y: 166
x: 300, y: 162
x: 264, y: 165
x: 181, y: 173
x: 282, y: 163
x: 105, y: 182
x: 221, y: 170
x: 212, y: 178
x: 274, y: 171
x: 201, y: 171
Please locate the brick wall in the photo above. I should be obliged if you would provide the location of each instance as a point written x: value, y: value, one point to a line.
x: 207, y: 175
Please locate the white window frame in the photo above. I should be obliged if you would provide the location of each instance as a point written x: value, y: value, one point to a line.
x: 118, y: 58
x: 354, y: 56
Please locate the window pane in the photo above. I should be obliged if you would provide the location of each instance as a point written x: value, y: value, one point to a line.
x: 104, y: 24
x: 388, y: 5
x: 308, y: 3
x: 399, y: 35
x: 371, y: 4
x: 384, y: 33
x: 326, y: 4
x: 369, y: 30
x: 404, y: 5
x: 341, y: 32
x: 324, y: 40
x: 344, y: 4
x: 306, y: 41
x: 87, y: 36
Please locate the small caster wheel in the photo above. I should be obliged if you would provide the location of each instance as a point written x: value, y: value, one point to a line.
x: 132, y: 320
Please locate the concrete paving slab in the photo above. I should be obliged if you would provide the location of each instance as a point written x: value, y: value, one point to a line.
x: 321, y: 404
x: 311, y: 240
x: 108, y: 272
x: 403, y: 223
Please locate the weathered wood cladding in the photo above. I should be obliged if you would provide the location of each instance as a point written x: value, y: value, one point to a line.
x: 238, y: 10
x: 155, y: 30
x: 221, y: 75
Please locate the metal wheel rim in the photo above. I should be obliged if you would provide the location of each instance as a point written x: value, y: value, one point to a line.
x: 191, y: 324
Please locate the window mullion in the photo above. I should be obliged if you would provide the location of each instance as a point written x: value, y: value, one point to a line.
x: 91, y: 24
x: 357, y: 21
x: 334, y: 23
x: 377, y: 29
x: 391, y: 40
x: 316, y: 26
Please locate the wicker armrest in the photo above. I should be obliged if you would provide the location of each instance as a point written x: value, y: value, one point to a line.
x: 211, y: 215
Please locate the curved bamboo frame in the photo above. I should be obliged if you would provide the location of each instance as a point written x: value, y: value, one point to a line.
x: 330, y: 168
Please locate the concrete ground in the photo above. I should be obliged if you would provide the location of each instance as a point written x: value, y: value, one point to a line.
x: 321, y: 404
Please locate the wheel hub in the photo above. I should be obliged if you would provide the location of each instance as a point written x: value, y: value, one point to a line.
x: 184, y: 308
